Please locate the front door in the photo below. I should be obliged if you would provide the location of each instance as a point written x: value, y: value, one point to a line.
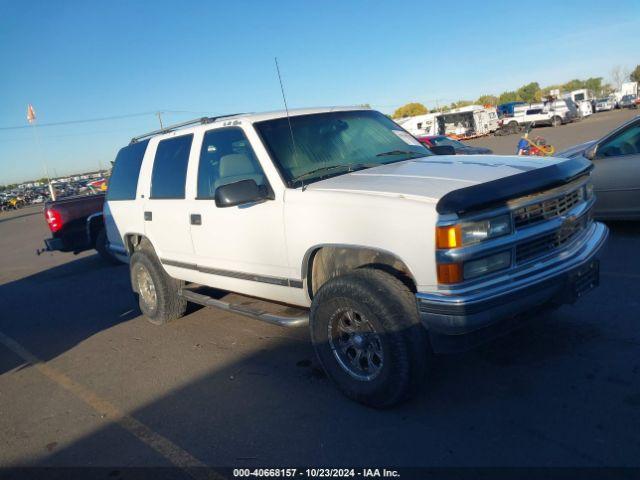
x: 242, y: 247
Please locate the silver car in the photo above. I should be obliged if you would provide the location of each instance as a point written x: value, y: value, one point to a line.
x: 605, y: 104
x: 616, y: 176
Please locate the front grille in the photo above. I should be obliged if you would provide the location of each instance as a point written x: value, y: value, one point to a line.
x: 538, y: 212
x: 544, y: 244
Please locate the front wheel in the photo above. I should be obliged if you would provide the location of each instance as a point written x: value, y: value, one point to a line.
x: 367, y: 335
x: 556, y: 121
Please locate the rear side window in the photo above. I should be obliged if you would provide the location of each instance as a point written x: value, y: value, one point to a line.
x: 124, y: 178
x: 170, y: 167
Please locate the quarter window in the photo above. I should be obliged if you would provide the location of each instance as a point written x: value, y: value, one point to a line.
x: 170, y: 167
x: 124, y: 178
x: 226, y: 157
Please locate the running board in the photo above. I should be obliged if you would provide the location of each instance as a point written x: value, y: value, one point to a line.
x: 281, y: 320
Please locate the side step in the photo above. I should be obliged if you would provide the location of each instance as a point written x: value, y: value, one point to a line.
x: 282, y: 320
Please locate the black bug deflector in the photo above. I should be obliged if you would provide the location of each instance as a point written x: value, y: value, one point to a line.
x: 496, y: 192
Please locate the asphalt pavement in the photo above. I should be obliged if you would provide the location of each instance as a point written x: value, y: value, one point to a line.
x: 85, y: 380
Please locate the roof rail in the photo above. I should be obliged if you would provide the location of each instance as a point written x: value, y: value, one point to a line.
x: 171, y: 128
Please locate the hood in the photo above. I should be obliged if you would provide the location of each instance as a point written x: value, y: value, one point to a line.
x: 430, y: 178
x: 576, y: 149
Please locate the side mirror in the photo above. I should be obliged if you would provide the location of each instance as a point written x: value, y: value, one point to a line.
x: 443, y: 150
x: 590, y: 153
x: 239, y: 193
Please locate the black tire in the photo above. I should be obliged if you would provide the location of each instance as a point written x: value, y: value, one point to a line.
x: 384, y: 303
x: 556, y: 121
x: 168, y: 305
x: 101, y: 247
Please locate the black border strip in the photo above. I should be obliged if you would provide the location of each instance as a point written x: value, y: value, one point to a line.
x: 283, y: 282
x: 496, y: 192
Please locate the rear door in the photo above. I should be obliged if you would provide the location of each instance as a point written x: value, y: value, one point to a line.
x: 616, y: 176
x: 121, y: 211
x: 165, y: 217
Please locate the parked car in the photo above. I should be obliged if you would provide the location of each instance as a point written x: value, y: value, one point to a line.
x: 524, y: 117
x: 629, y: 101
x: 564, y: 108
x: 605, y: 104
x: 459, y: 148
x: 340, y: 211
x: 76, y: 225
x: 616, y: 176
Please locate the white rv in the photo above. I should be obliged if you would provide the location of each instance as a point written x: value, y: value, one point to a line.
x: 467, y: 122
x: 580, y: 95
x: 627, y: 88
x: 420, y: 125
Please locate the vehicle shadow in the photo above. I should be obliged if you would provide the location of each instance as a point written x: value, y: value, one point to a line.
x: 51, y: 311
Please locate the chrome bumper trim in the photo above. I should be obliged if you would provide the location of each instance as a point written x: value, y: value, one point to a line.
x: 539, y: 272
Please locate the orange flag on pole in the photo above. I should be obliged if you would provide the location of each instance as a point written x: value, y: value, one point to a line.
x: 31, y: 114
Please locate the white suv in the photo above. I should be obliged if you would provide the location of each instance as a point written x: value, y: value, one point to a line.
x: 388, y: 252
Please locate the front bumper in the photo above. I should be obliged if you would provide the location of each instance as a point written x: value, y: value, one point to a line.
x: 554, y: 281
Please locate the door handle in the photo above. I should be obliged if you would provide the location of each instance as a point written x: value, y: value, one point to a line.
x: 196, y: 219
x: 148, y: 216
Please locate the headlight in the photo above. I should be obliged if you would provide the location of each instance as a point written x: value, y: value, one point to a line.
x: 482, y: 266
x: 468, y: 233
x: 475, y: 232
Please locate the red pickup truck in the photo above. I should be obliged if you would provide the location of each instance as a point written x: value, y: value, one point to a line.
x: 76, y: 224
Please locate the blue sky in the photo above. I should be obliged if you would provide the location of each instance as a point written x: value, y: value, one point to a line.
x: 92, y: 59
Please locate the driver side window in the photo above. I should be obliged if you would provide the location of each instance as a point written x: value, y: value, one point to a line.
x: 626, y: 142
x: 226, y: 157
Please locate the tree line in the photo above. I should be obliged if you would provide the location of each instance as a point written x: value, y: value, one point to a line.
x: 530, y: 93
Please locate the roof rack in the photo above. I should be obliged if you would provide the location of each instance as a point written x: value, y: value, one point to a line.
x: 171, y: 128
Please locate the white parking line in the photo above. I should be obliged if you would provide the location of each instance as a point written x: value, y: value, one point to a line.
x: 173, y: 453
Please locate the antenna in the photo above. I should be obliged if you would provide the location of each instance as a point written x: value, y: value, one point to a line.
x: 286, y: 109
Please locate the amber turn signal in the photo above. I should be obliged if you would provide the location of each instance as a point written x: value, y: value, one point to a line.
x: 449, y: 273
x: 448, y: 237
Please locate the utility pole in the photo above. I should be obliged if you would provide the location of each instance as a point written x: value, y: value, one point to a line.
x: 160, y: 120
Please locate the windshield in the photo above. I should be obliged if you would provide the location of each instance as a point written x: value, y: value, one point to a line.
x: 447, y: 141
x: 334, y: 143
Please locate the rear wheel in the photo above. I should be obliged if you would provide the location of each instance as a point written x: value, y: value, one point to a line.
x: 556, y: 121
x: 158, y: 293
x: 367, y: 335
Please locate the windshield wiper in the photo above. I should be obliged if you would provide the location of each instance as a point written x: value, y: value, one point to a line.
x: 400, y: 152
x: 349, y: 167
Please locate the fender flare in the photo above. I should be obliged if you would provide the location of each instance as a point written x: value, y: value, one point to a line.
x: 308, y: 258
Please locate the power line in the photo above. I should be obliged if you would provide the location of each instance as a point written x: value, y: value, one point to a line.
x: 93, y: 120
